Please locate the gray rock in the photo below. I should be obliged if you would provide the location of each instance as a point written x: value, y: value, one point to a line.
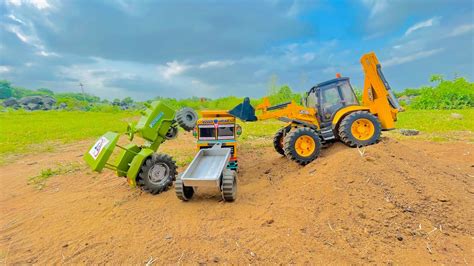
x: 48, y: 100
x: 47, y: 107
x: 30, y: 99
x: 32, y: 106
x: 62, y: 106
x: 457, y: 116
x: 10, y: 102
x: 409, y: 132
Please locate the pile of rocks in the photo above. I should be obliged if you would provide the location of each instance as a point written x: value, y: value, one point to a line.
x: 123, y: 105
x: 34, y: 103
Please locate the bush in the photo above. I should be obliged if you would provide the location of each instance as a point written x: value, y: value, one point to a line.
x: 455, y: 94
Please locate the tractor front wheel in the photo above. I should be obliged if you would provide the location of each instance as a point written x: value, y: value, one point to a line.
x: 302, y: 145
x: 157, y: 173
x: 359, y: 129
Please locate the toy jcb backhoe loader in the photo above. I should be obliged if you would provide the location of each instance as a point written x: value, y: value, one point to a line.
x: 331, y: 112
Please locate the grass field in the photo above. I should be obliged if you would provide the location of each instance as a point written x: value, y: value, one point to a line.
x: 28, y: 132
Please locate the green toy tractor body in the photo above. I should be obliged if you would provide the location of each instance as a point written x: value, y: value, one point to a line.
x: 139, y: 163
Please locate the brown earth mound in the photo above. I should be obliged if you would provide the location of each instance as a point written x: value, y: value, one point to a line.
x: 394, y: 202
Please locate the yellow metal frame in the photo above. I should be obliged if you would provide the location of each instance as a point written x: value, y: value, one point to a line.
x: 291, y: 111
x: 375, y: 93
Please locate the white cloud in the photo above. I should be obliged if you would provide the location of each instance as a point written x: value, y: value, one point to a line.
x: 46, y: 54
x: 376, y: 6
x: 5, y: 69
x: 411, y: 57
x: 19, y: 34
x: 39, y: 4
x: 12, y: 17
x: 216, y: 63
x: 172, y: 69
x: 424, y: 24
x: 462, y: 29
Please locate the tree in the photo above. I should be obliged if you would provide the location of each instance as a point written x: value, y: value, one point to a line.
x: 5, y: 89
x: 436, y: 78
x: 127, y: 100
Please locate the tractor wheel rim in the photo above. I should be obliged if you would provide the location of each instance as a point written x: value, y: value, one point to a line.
x: 158, y: 173
x: 362, y: 129
x: 305, y: 146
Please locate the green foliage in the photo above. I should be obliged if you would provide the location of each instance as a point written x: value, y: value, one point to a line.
x: 5, y: 89
x: 435, y: 121
x: 455, y: 94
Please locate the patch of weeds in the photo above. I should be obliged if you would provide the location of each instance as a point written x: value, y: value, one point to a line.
x: 39, y: 181
x: 184, y: 160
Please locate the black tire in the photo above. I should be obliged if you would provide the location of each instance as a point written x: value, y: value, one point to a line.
x: 172, y: 132
x: 348, y: 138
x: 229, y: 185
x: 290, y: 143
x: 183, y: 192
x: 157, y: 173
x: 187, y: 118
x: 278, y: 140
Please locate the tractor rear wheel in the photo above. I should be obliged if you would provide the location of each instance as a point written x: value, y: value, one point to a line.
x: 157, y: 173
x: 359, y: 129
x: 302, y: 145
x: 278, y: 140
x: 183, y: 192
x: 229, y: 185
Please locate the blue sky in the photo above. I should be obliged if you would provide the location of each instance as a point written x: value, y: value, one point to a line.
x: 144, y: 49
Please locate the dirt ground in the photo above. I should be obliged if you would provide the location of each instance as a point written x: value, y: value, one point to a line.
x: 400, y: 202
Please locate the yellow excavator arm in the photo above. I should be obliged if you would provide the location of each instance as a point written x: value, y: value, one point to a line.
x: 377, y: 94
x: 287, y: 112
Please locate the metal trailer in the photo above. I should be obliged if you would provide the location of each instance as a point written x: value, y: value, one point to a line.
x: 208, y: 169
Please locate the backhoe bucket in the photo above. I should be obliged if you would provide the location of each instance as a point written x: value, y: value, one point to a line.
x: 244, y: 111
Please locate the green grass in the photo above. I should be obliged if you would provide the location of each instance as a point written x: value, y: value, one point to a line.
x: 39, y: 181
x: 436, y: 121
x: 27, y: 132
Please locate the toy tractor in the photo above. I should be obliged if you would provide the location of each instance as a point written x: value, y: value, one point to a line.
x: 140, y: 164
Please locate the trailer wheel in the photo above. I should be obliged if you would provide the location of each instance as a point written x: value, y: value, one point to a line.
x: 187, y: 118
x: 183, y: 192
x: 278, y: 140
x: 229, y: 185
x: 359, y: 129
x: 302, y: 145
x: 157, y: 173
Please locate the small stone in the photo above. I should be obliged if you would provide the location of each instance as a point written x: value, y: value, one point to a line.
x: 168, y: 237
x: 400, y: 238
x: 457, y: 116
x: 409, y: 132
x: 215, y: 259
x: 267, y: 171
x: 252, y: 254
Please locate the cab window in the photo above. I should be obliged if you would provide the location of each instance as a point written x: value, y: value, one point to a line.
x: 226, y: 132
x: 331, y: 101
x: 348, y: 95
x: 312, y: 100
x: 207, y: 132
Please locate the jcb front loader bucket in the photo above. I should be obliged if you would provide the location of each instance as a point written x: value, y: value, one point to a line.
x: 244, y: 111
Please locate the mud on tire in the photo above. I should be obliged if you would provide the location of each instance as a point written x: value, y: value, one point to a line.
x: 157, y: 173
x: 291, y: 142
x: 345, y: 129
